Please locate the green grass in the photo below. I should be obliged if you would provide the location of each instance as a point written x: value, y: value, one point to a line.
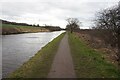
x: 39, y: 65
x: 89, y: 63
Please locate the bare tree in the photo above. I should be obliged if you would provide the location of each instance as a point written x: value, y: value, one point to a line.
x: 108, y: 23
x: 118, y: 18
x: 73, y: 24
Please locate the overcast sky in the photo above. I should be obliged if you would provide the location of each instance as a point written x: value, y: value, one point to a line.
x: 53, y: 12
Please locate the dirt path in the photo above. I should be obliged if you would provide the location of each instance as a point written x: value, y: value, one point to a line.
x: 62, y: 66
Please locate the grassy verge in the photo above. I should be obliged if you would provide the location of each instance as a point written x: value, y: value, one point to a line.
x: 39, y: 65
x: 89, y: 63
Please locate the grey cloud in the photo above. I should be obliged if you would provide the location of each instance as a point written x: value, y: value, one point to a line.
x: 50, y: 11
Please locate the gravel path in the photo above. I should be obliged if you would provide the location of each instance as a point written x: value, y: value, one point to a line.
x: 62, y: 66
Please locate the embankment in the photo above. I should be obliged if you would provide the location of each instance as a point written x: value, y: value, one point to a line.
x: 17, y: 29
x: 39, y: 65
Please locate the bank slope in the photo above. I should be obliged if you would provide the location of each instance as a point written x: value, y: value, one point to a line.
x: 89, y: 63
x: 39, y: 65
x: 17, y: 29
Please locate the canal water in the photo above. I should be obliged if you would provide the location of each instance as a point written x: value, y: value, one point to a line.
x: 17, y: 49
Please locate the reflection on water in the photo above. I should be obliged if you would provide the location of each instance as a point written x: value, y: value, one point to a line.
x: 16, y: 49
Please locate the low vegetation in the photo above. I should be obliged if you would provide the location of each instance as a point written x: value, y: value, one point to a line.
x: 96, y: 41
x: 39, y: 65
x: 89, y: 63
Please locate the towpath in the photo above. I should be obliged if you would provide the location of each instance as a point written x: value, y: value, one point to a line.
x: 62, y: 66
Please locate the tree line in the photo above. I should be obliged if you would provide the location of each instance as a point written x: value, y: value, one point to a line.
x: 14, y: 23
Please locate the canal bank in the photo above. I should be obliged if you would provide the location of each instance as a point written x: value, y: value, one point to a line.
x: 39, y: 65
x: 8, y: 29
x: 19, y: 48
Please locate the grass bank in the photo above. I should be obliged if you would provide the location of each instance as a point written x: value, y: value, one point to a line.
x: 89, y: 63
x: 17, y: 29
x: 39, y: 65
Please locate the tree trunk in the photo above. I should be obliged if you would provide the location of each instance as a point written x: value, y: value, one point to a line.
x: 71, y: 30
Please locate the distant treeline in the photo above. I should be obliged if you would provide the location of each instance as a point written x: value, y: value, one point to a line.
x: 14, y: 23
x: 51, y: 28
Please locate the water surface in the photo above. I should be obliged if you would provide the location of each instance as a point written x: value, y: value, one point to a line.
x: 17, y: 49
